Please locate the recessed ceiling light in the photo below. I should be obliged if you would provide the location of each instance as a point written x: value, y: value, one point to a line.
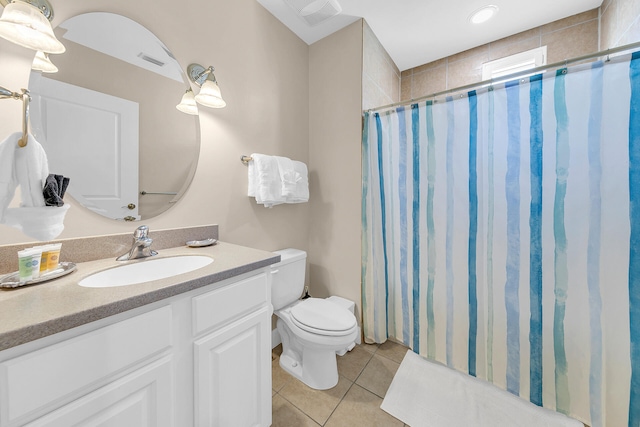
x: 483, y: 14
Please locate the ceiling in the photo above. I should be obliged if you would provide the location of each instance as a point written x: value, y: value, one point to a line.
x: 415, y: 32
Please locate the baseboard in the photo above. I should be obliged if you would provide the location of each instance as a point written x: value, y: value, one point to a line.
x: 275, y: 338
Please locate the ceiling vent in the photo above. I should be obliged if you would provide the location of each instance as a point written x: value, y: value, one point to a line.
x: 315, y: 12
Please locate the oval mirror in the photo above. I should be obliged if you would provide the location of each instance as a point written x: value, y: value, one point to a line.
x: 108, y: 119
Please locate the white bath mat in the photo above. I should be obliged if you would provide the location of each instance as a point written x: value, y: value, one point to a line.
x: 426, y: 394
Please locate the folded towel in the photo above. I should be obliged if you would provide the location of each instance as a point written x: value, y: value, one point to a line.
x: 41, y: 223
x: 300, y: 193
x: 288, y: 176
x: 51, y: 191
x: 267, y: 184
x: 54, y: 189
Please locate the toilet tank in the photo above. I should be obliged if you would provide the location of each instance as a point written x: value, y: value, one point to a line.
x: 287, y: 281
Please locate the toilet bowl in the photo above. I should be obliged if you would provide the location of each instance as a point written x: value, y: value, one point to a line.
x: 312, y: 330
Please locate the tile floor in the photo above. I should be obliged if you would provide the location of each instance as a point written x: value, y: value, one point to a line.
x: 365, y: 374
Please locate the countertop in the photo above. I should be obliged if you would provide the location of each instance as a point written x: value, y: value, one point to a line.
x: 32, y: 312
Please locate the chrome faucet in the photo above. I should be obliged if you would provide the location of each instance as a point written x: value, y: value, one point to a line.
x: 141, y: 247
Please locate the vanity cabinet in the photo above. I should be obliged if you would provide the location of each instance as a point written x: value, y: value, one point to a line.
x: 201, y: 358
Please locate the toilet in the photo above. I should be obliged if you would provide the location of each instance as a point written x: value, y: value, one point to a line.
x: 312, y: 330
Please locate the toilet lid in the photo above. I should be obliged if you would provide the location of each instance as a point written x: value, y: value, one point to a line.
x: 322, y: 317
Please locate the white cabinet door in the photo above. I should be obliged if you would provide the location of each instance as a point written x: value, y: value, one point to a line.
x: 233, y: 374
x: 141, y: 399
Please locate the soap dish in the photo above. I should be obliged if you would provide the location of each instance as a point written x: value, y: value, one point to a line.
x: 201, y: 243
x: 12, y: 280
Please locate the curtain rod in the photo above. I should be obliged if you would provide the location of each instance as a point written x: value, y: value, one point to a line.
x: 559, y: 64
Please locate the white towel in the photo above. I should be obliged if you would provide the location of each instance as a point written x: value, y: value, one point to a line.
x: 274, y: 180
x: 8, y: 182
x: 28, y: 168
x: 288, y: 176
x: 300, y: 193
x: 267, y: 188
x: 42, y: 223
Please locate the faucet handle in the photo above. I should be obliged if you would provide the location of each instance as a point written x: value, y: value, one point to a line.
x: 141, y: 232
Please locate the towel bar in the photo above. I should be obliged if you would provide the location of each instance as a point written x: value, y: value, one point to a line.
x: 7, y: 94
x: 245, y: 159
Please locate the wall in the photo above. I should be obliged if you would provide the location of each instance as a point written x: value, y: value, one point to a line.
x: 620, y: 23
x: 566, y: 38
x: 380, y: 75
x: 335, y: 111
x: 263, y: 70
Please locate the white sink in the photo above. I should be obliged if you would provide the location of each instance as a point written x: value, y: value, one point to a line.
x: 145, y: 271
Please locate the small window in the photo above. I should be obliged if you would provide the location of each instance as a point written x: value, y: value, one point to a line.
x: 515, y: 63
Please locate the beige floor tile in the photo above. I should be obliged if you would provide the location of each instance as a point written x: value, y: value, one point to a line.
x: 378, y: 374
x: 276, y: 351
x: 353, y: 362
x: 279, y: 377
x: 392, y: 350
x: 286, y: 415
x: 317, y: 404
x: 371, y: 348
x: 361, y: 408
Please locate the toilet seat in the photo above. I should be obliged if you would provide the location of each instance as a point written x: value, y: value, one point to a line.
x: 323, y: 317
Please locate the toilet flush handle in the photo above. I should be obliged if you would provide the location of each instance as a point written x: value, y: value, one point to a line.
x: 275, y: 271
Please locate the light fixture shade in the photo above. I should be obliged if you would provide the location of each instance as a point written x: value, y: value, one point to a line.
x: 188, y: 103
x: 24, y: 25
x: 210, y: 95
x: 41, y: 62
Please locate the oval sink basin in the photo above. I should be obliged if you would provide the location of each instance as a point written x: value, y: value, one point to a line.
x: 145, y: 271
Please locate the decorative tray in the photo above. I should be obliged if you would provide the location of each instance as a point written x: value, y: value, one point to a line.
x: 12, y: 280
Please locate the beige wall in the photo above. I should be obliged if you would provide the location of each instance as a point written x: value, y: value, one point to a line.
x: 619, y: 23
x: 263, y: 70
x: 380, y: 75
x: 567, y: 38
x: 335, y: 111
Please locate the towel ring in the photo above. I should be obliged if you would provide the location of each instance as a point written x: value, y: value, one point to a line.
x: 25, y: 97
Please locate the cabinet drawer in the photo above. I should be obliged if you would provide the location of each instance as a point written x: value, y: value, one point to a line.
x: 143, y: 398
x: 228, y: 303
x: 57, y: 374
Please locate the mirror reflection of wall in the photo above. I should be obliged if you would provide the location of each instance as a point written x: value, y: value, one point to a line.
x: 113, y: 55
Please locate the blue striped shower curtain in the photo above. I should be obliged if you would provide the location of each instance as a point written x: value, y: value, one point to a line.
x: 501, y: 236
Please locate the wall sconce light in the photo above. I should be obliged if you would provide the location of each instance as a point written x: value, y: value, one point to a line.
x: 209, y: 94
x: 26, y: 23
x: 188, y: 103
x: 41, y: 62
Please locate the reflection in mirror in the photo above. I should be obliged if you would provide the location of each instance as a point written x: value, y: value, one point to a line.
x: 108, y: 120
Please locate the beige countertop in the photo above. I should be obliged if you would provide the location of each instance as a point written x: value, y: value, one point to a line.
x: 32, y: 312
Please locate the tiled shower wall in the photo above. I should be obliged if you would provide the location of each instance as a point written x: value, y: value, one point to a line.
x: 380, y: 76
x: 566, y: 38
x: 615, y: 23
x: 619, y: 23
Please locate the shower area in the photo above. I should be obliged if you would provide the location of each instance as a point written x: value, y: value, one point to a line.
x: 501, y: 233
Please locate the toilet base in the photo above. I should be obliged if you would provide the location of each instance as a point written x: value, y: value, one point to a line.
x: 321, y: 372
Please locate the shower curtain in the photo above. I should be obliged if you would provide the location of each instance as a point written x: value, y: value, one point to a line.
x: 501, y: 236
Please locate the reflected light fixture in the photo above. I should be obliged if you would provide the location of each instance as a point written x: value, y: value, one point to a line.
x: 41, y: 62
x: 483, y: 14
x: 188, y: 103
x: 27, y: 24
x: 209, y: 94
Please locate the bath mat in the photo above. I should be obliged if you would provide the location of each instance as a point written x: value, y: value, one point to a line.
x: 427, y: 394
